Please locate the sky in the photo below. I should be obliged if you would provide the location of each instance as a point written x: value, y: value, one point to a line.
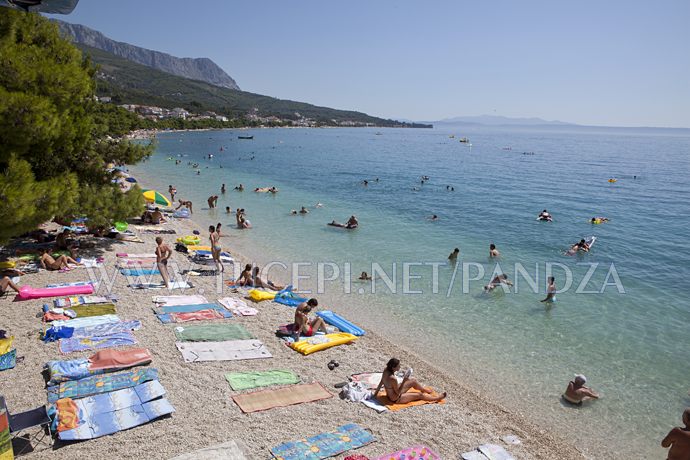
x: 612, y: 63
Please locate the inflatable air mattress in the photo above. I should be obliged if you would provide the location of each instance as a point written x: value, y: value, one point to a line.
x: 27, y: 292
x: 341, y: 323
x: 322, y: 342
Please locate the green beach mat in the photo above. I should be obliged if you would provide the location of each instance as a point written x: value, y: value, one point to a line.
x: 94, y: 309
x: 212, y: 333
x: 247, y: 380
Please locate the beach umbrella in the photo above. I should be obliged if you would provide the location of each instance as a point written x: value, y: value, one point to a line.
x: 131, y: 179
x: 152, y: 196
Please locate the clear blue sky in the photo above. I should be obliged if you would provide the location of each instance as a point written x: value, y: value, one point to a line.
x: 621, y: 63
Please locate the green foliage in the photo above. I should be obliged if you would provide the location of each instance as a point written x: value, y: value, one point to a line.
x: 134, y: 83
x: 55, y: 139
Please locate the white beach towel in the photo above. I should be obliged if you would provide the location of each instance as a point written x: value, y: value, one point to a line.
x: 171, y: 300
x: 238, y: 306
x: 231, y: 350
x: 226, y: 451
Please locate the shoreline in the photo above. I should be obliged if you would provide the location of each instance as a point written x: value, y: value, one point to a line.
x: 201, y: 396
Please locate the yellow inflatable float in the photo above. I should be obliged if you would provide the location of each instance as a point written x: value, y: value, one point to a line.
x: 612, y: 180
x: 189, y: 240
x: 306, y: 347
x: 8, y: 264
x: 258, y: 296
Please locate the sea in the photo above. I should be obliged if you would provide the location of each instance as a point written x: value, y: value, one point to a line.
x: 622, y: 318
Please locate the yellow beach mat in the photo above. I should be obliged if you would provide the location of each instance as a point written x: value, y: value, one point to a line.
x: 383, y: 399
x: 258, y: 296
x: 322, y: 342
x: 196, y: 247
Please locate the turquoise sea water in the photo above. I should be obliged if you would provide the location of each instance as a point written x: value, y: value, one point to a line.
x: 632, y: 346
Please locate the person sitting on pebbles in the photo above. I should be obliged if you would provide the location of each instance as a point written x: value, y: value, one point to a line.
x: 305, y: 326
x: 400, y: 393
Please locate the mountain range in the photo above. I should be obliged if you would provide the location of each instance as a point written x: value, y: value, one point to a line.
x: 498, y: 120
x: 202, y: 69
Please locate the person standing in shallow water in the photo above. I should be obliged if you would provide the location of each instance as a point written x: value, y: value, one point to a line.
x: 678, y: 439
x: 453, y: 257
x: 493, y: 252
x: 550, y: 290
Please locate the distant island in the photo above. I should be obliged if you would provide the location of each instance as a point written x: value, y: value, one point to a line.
x: 498, y: 120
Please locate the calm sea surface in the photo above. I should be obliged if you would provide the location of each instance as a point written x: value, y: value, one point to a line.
x: 633, y: 345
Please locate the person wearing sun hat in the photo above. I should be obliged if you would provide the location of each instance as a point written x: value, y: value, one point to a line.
x: 577, y: 392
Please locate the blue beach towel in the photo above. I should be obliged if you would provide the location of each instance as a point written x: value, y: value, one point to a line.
x: 139, y: 271
x: 91, y: 343
x: 324, y: 445
x: 187, y: 308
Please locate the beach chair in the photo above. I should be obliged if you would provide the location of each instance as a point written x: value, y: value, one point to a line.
x: 30, y: 428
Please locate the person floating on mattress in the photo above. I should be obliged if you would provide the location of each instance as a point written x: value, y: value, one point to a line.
x: 497, y: 281
x: 577, y: 392
x: 400, y: 392
x: 61, y: 263
x: 544, y: 215
x: 303, y: 324
x: 599, y: 220
x: 580, y: 246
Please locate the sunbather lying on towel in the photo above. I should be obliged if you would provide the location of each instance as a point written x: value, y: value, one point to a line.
x: 400, y: 392
x: 266, y: 284
x: 304, y: 325
x: 48, y: 263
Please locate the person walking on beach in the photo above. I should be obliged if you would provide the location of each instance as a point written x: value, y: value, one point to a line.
x: 218, y: 226
x: 172, y: 191
x: 163, y: 253
x: 493, y: 252
x: 550, y: 290
x: 215, y: 248
x: 400, y: 392
x: 305, y: 326
x: 678, y: 439
x: 577, y: 392
x: 453, y: 257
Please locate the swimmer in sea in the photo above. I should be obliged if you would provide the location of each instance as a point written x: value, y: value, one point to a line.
x: 493, y: 252
x: 544, y: 215
x: 580, y: 246
x: 365, y: 277
x: 599, y: 220
x: 352, y: 222
x: 304, y: 210
x: 454, y: 255
x: 497, y: 281
x: 293, y: 212
x: 318, y: 205
x: 550, y: 290
x: 434, y: 217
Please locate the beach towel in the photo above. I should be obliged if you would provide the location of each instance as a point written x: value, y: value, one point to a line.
x: 418, y: 452
x: 247, y: 380
x: 324, y: 445
x: 201, y: 315
x: 74, y: 369
x: 487, y: 452
x: 225, y: 451
x: 233, y: 350
x: 82, y: 300
x: 109, y: 413
x: 119, y: 359
x: 94, y: 309
x: 201, y: 272
x: 282, y: 397
x: 238, y: 306
x: 72, y: 284
x: 212, y: 333
x: 73, y: 344
x: 68, y: 414
x: 124, y: 255
x: 186, y: 308
x: 86, y: 322
x: 179, y: 299
x: 161, y: 285
x: 139, y: 271
x: 96, y: 384
x: 370, y: 379
x: 105, y: 329
x: 383, y: 399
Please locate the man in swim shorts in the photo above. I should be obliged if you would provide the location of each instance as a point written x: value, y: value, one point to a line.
x: 678, y: 439
x: 303, y: 325
x: 163, y: 253
x: 577, y: 392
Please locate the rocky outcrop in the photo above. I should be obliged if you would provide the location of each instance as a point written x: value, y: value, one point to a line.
x: 202, y: 69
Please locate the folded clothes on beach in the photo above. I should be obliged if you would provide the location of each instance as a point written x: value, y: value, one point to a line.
x: 117, y: 339
x: 109, y: 413
x: 418, y: 452
x: 238, y: 306
x: 179, y: 299
x: 247, y: 380
x: 201, y: 315
x: 212, y: 333
x: 233, y: 350
x: 96, y: 384
x: 324, y: 445
x: 282, y: 397
x: 226, y: 451
x: 322, y: 342
x: 173, y: 285
x: 186, y: 308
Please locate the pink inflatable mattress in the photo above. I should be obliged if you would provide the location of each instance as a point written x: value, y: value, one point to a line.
x: 27, y: 292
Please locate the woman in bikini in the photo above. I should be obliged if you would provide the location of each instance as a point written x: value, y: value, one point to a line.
x: 215, y: 247
x: 400, y: 392
x: 49, y: 263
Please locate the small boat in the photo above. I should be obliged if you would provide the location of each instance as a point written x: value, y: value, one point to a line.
x: 464, y: 140
x: 379, y: 133
x: 452, y: 136
x: 245, y: 137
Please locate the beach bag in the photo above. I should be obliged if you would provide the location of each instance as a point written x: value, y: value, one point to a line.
x: 8, y: 360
